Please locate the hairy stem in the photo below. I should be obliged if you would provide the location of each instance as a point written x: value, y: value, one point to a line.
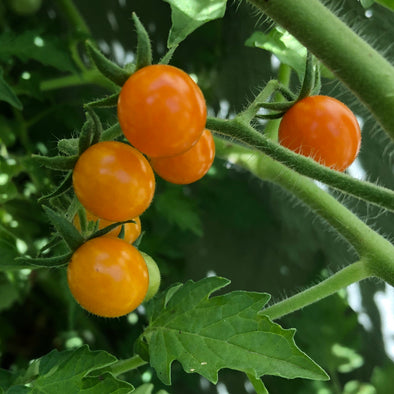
x: 351, y: 274
x: 376, y: 251
x: 236, y: 128
x: 362, y: 69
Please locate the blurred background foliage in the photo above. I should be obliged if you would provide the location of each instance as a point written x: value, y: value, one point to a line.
x: 229, y: 223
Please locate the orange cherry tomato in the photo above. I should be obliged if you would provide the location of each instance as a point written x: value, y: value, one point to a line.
x: 161, y: 110
x: 189, y: 166
x: 108, y: 277
x: 114, y: 181
x: 322, y: 128
x: 131, y: 230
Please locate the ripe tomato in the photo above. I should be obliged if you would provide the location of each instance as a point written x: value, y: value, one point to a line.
x: 131, y: 230
x: 108, y: 277
x: 189, y: 166
x: 154, y: 276
x: 113, y: 181
x: 322, y: 128
x: 161, y: 110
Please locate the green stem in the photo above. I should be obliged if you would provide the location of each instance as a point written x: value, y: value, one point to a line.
x: 376, y: 251
x: 362, y: 69
x: 123, y: 366
x: 284, y: 74
x: 73, y: 15
x: 351, y: 274
x: 236, y: 128
x: 84, y: 78
x: 258, y: 384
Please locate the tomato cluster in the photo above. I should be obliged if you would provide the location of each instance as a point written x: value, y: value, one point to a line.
x: 162, y: 114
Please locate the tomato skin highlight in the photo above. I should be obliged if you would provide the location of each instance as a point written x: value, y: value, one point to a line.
x: 131, y: 230
x: 322, y: 128
x: 114, y: 181
x: 108, y: 277
x: 190, y: 166
x: 161, y: 111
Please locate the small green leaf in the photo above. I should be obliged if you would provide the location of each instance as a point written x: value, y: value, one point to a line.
x: 108, y: 228
x: 7, y: 94
x: 64, y: 186
x: 48, y: 262
x: 207, y: 334
x: 111, y: 133
x: 109, y: 69
x: 283, y: 45
x: 68, y: 146
x: 61, y: 163
x: 187, y: 16
x: 65, y: 228
x: 144, y: 49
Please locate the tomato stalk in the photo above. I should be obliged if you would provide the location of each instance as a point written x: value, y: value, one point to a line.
x: 238, y: 129
x: 346, y: 276
x: 362, y: 69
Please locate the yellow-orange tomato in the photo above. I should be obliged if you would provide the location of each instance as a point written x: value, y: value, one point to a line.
x: 189, y: 166
x: 161, y: 110
x: 131, y: 230
x: 108, y: 277
x: 322, y: 128
x: 113, y: 181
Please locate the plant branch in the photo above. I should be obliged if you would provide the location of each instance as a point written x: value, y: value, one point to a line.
x: 245, y: 133
x: 346, y: 276
x: 362, y: 69
x: 376, y: 251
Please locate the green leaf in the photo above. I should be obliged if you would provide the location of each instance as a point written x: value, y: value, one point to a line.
x: 386, y: 3
x: 283, y: 45
x: 6, y: 378
x: 50, y: 51
x: 179, y: 210
x: 106, y: 102
x: 207, y: 334
x: 68, y: 371
x: 7, y: 94
x: 8, y: 250
x: 146, y: 388
x: 109, y: 69
x: 144, y: 49
x: 66, y: 229
x: 187, y: 16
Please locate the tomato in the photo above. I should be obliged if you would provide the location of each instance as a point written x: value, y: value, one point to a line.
x: 161, y: 111
x: 189, y: 166
x: 113, y: 181
x: 108, y: 277
x: 131, y: 230
x: 154, y: 276
x: 322, y: 128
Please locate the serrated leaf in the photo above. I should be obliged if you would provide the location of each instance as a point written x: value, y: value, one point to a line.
x: 50, y: 51
x: 283, y: 45
x: 7, y: 94
x: 187, y: 16
x: 208, y: 334
x: 179, y: 210
x: 68, y: 370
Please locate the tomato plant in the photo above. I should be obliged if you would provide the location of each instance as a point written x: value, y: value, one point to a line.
x: 161, y: 110
x: 113, y: 181
x: 189, y: 166
x: 131, y: 230
x: 108, y: 277
x: 323, y: 128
